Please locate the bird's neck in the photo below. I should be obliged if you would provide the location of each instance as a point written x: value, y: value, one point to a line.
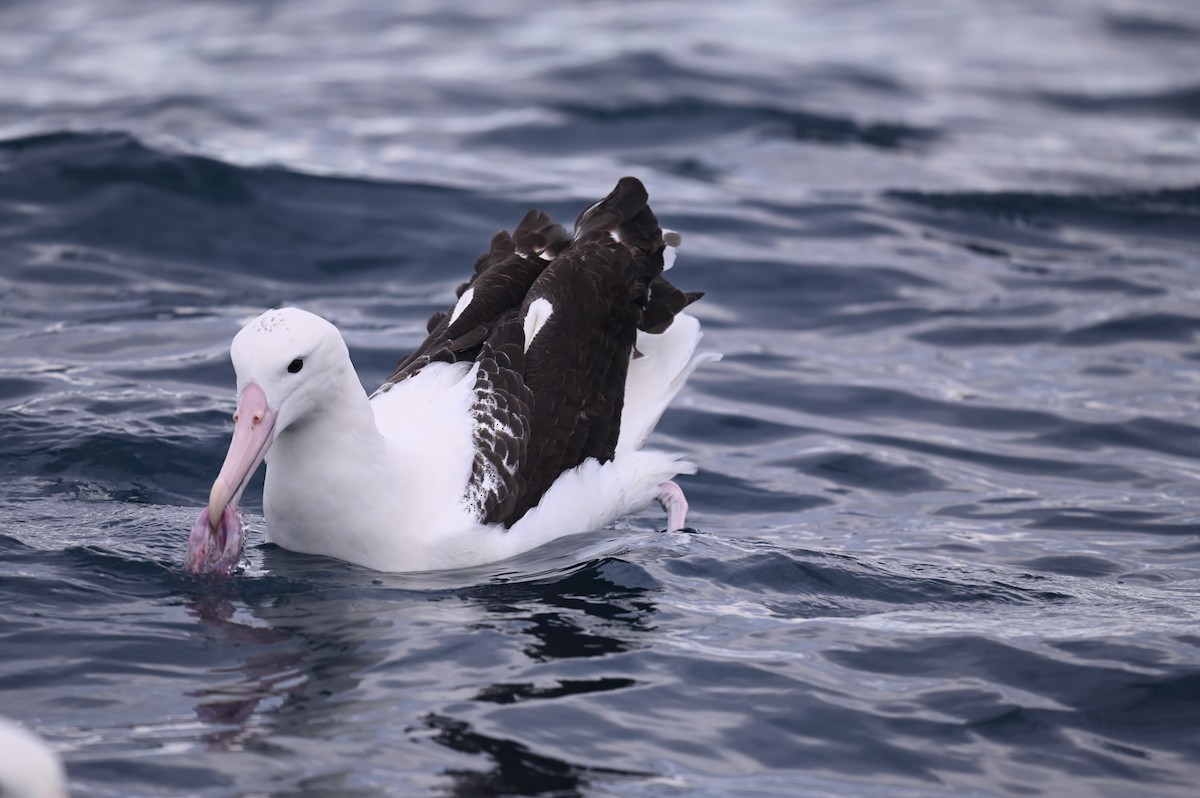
x: 343, y: 425
x: 321, y: 465
x: 376, y: 481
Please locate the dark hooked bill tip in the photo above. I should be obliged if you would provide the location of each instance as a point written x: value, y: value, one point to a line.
x: 215, y: 550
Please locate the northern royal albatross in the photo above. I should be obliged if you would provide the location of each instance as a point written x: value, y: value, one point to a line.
x: 520, y: 418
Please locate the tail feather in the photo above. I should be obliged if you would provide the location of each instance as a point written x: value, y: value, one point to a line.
x: 667, y: 360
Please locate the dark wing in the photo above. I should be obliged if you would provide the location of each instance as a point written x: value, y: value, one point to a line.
x: 597, y: 291
x: 500, y: 414
x: 501, y: 280
x: 552, y: 321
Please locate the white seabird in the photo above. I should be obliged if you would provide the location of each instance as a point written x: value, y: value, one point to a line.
x: 519, y: 420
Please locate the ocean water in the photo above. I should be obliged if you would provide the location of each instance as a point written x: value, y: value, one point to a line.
x: 945, y: 531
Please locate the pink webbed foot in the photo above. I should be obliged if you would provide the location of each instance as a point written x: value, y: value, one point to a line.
x: 671, y: 497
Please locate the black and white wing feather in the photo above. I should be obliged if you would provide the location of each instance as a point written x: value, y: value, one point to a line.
x: 551, y: 321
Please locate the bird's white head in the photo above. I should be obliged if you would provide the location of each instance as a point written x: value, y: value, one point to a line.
x: 294, y: 357
x: 289, y: 363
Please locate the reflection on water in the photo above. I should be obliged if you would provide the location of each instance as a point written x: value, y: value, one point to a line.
x: 303, y: 657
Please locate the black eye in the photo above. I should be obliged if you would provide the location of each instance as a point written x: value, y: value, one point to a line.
x: 295, y: 366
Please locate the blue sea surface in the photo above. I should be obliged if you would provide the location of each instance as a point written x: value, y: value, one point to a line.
x: 946, y: 526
